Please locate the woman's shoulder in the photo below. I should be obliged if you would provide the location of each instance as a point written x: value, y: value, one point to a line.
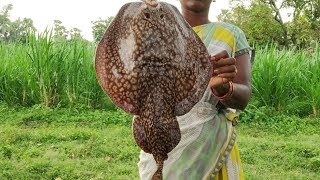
x: 228, y: 26
x: 238, y: 37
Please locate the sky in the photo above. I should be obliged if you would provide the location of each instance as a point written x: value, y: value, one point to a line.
x: 79, y: 13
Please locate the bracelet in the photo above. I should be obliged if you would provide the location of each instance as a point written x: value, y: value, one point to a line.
x: 228, y: 95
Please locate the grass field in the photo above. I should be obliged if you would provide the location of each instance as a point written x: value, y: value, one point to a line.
x: 52, y: 125
x: 61, y: 74
x: 43, y: 143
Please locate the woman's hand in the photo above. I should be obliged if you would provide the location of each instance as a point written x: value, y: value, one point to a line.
x: 224, y: 70
x: 237, y: 70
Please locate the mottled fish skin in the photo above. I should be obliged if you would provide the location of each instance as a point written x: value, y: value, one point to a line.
x: 152, y: 65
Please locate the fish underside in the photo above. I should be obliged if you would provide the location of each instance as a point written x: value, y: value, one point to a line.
x: 156, y: 129
x: 152, y: 65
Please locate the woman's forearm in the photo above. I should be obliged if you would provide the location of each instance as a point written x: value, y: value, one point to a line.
x: 240, y: 97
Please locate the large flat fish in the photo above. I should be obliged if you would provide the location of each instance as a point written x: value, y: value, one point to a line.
x: 152, y: 65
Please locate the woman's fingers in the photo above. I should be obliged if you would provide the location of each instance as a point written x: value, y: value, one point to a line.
x: 225, y: 62
x: 225, y: 69
x: 228, y: 75
x: 220, y: 55
x: 224, y: 66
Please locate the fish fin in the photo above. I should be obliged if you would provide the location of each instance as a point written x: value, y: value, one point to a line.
x: 140, y: 134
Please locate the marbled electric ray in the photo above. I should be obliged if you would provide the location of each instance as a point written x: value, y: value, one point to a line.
x: 152, y: 65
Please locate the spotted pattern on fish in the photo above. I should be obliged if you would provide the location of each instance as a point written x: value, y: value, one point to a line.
x: 152, y: 65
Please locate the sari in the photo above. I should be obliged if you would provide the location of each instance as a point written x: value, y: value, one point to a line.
x: 207, y: 149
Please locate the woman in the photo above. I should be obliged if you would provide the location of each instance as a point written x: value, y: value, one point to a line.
x: 207, y: 149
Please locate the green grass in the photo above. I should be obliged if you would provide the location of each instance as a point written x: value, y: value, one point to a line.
x: 287, y: 80
x: 52, y: 125
x: 268, y: 155
x: 61, y: 74
x: 44, y: 143
x: 51, y: 73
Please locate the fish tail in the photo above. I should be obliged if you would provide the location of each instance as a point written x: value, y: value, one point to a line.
x: 158, y: 174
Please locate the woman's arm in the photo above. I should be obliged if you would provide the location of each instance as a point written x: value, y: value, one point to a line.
x: 237, y: 70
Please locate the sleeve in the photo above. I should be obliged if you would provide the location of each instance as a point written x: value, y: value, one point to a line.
x: 241, y: 44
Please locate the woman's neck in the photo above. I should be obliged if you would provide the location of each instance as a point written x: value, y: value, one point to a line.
x: 195, y: 18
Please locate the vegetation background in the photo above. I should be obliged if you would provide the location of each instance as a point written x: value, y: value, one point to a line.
x: 56, y: 122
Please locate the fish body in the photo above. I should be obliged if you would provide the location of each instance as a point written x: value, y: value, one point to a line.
x: 152, y: 65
